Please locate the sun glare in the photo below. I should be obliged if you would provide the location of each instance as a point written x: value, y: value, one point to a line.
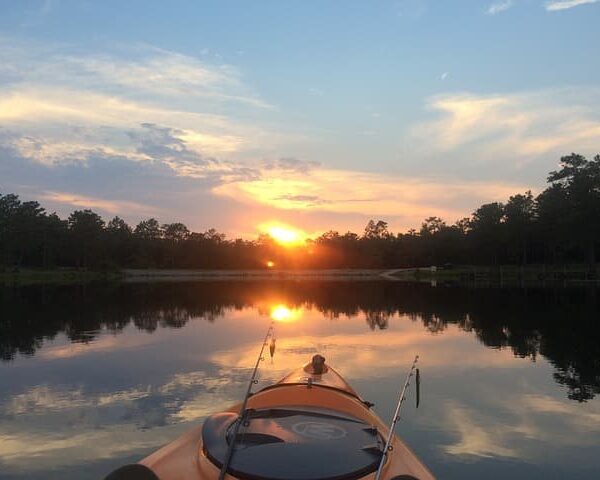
x: 284, y: 234
x: 283, y: 314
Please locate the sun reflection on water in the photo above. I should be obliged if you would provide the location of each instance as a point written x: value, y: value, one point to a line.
x: 283, y: 314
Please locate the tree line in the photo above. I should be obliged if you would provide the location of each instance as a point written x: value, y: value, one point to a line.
x: 559, y: 225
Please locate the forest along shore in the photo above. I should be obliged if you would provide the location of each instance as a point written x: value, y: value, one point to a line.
x: 559, y: 226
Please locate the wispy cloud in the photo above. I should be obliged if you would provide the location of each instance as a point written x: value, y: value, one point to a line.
x: 124, y: 414
x: 521, y: 124
x: 175, y: 150
x: 292, y: 164
x: 474, y: 439
x: 130, y: 72
x: 109, y: 206
x: 499, y: 7
x: 60, y: 99
x: 525, y: 421
x: 566, y: 4
x: 72, y: 116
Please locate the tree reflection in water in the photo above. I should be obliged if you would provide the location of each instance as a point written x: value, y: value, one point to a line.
x: 557, y: 323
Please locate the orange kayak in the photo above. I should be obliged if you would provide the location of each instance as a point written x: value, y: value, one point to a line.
x: 307, y: 426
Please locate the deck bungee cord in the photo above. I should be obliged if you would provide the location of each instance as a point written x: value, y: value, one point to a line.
x: 243, y: 410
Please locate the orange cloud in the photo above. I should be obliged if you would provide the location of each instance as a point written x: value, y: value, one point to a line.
x: 354, y: 192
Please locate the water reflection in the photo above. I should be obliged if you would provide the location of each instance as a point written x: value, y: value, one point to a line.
x: 96, y: 376
x: 559, y: 324
x: 281, y: 313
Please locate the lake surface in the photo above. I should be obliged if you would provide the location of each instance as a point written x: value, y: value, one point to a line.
x: 92, y: 377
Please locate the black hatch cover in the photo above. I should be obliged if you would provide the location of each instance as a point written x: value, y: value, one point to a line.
x: 291, y: 444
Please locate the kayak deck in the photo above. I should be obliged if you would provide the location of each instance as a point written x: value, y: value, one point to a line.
x: 305, y: 427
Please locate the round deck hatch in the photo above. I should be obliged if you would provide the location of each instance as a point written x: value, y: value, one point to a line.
x: 293, y: 444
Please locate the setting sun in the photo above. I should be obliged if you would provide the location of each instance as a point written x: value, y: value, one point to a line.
x: 284, y: 234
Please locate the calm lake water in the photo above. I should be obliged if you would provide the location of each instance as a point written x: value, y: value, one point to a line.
x: 92, y: 377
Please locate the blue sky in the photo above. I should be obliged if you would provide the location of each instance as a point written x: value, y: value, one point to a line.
x: 316, y: 114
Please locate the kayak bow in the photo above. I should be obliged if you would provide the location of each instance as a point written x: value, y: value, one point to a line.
x: 311, y: 425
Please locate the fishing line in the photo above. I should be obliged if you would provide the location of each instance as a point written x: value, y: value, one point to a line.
x: 243, y: 411
x: 388, y: 444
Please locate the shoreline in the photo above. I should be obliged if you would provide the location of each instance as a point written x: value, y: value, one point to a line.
x: 464, y: 274
x: 135, y: 275
x: 57, y: 277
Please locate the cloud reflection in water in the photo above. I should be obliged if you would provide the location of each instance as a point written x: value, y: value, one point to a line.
x: 155, y: 360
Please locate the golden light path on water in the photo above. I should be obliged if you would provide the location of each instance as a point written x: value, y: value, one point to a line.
x: 281, y: 313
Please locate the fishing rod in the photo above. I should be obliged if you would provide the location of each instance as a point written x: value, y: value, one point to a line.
x: 388, y: 444
x: 242, y: 413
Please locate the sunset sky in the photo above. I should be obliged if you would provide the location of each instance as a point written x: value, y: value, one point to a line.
x: 318, y: 115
